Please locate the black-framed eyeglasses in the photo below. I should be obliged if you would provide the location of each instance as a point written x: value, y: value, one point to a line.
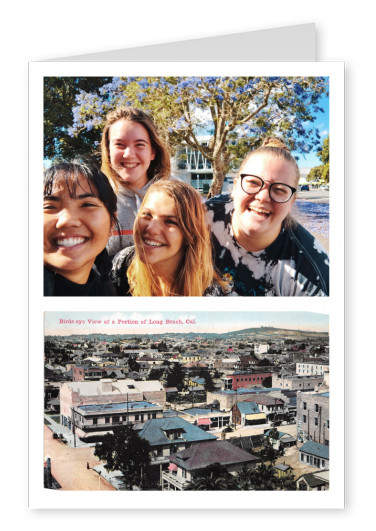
x: 278, y: 192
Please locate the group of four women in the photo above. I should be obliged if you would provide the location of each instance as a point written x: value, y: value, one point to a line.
x: 132, y: 229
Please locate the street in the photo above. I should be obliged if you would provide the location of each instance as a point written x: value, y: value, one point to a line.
x: 315, y: 196
x: 68, y: 465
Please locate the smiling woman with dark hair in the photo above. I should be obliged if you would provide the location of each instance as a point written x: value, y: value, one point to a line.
x: 259, y: 248
x: 79, y: 212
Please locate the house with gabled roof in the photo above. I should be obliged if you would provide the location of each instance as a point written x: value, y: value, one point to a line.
x: 169, y: 435
x: 314, y: 481
x: 187, y: 464
x: 284, y: 440
x: 271, y: 406
x: 247, y: 414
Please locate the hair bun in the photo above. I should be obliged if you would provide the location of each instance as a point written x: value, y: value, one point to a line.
x: 273, y: 141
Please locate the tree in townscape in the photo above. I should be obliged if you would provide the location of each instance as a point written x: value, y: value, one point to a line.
x: 155, y: 374
x: 205, y: 373
x: 268, y: 453
x: 264, y: 477
x: 213, y: 477
x: 321, y: 173
x: 175, y: 376
x: 234, y: 112
x: 133, y: 365
x: 126, y: 451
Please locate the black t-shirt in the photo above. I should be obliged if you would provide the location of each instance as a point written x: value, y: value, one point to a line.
x: 295, y: 264
x: 59, y: 286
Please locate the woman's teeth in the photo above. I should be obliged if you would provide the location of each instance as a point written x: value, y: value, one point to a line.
x: 69, y: 242
x: 260, y: 211
x: 153, y: 244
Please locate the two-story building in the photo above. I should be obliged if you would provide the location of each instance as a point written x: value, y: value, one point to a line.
x: 239, y: 380
x: 295, y: 382
x: 87, y: 372
x: 169, y: 435
x: 186, y: 465
x: 90, y: 422
x: 306, y: 368
x: 107, y: 391
x: 273, y: 408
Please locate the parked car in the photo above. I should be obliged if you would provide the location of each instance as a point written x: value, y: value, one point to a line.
x: 304, y: 187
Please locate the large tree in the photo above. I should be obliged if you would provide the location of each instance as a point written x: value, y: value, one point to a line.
x: 59, y: 98
x: 234, y: 112
x: 175, y: 376
x: 126, y: 451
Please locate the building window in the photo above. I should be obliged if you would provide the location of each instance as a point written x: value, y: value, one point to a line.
x: 327, y: 423
x: 304, y: 405
x: 316, y: 408
x: 316, y: 421
x: 304, y: 418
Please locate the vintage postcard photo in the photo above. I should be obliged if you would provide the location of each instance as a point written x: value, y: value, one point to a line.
x: 178, y: 403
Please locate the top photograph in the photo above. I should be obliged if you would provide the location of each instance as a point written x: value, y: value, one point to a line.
x: 186, y: 186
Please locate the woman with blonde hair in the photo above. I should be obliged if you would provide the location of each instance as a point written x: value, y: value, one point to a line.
x: 134, y: 156
x: 259, y: 247
x: 172, y: 254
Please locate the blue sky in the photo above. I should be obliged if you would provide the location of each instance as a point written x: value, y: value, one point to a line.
x: 322, y: 123
x: 198, y: 322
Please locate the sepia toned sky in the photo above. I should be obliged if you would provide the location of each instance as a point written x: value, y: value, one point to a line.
x: 66, y: 323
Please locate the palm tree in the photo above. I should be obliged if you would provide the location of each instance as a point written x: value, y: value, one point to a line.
x: 213, y: 477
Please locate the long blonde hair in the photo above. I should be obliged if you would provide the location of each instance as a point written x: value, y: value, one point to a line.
x: 160, y: 167
x: 196, y: 272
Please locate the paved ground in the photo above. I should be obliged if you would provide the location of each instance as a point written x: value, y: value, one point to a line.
x: 315, y: 196
x: 68, y: 465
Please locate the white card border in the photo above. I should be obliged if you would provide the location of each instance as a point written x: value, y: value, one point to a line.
x: 333, y: 305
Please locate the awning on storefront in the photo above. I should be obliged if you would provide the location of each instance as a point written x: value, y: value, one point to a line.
x: 256, y: 416
x: 204, y: 422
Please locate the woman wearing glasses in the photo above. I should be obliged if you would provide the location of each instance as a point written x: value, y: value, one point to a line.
x: 259, y: 248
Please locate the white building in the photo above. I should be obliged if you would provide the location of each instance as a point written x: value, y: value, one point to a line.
x: 311, y: 369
